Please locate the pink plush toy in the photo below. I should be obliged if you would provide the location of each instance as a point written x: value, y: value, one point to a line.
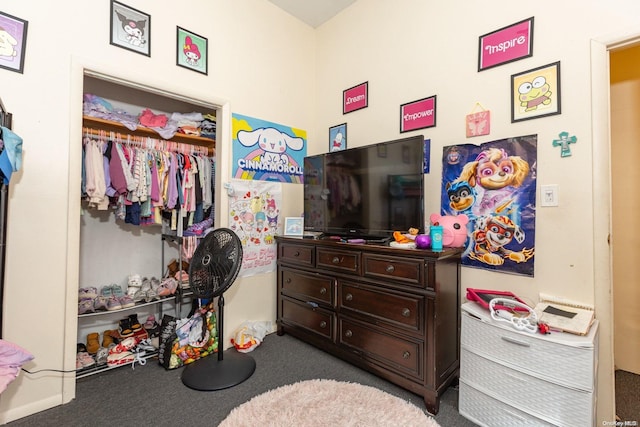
x: 454, y: 229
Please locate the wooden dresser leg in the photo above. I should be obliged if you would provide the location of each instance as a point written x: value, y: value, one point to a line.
x: 432, y: 402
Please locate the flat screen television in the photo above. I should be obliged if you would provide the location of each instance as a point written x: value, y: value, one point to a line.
x: 366, y: 192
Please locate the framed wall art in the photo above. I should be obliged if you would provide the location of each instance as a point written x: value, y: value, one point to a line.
x: 130, y: 29
x: 338, y: 137
x: 507, y: 44
x: 192, y: 51
x: 13, y: 42
x: 418, y: 114
x: 294, y: 226
x: 536, y: 93
x: 355, y: 98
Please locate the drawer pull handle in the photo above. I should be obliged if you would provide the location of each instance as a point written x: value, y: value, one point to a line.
x: 296, y: 253
x: 348, y: 297
x: 348, y: 333
x: 312, y: 304
x: 323, y: 291
x: 406, y: 355
x: 323, y: 324
x: 406, y: 312
x: 288, y: 280
x: 335, y: 260
x: 390, y: 268
x: 515, y: 341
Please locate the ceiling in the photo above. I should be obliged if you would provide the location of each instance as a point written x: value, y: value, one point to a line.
x: 313, y: 12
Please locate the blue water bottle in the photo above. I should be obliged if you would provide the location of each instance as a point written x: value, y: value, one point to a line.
x: 436, y: 237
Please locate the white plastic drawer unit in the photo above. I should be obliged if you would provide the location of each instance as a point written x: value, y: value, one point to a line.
x: 512, y: 378
x: 561, y: 358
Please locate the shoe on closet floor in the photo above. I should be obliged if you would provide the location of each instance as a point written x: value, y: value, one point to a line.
x: 85, y: 306
x: 167, y: 287
x: 134, y: 323
x: 106, y: 291
x: 117, y: 359
x: 113, y: 303
x: 93, y: 342
x: 125, y: 345
x: 101, y: 356
x: 117, y: 290
x: 126, y: 301
x: 124, y: 328
x: 84, y: 360
x: 87, y: 293
x: 100, y: 303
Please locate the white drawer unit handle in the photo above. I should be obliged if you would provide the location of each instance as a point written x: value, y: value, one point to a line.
x: 515, y: 341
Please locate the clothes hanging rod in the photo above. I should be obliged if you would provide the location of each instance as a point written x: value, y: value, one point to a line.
x: 149, y: 142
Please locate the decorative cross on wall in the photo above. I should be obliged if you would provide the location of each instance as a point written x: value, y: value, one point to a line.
x: 564, y: 142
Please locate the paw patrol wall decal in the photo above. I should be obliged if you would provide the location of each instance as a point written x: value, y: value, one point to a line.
x: 563, y: 142
x: 267, y: 151
x: 494, y: 186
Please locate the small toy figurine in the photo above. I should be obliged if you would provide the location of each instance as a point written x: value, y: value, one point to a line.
x: 454, y: 229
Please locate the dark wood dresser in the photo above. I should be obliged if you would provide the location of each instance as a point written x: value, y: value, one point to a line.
x: 394, y: 312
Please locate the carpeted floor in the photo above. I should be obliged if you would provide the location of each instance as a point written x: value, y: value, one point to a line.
x: 627, y: 396
x: 149, y: 395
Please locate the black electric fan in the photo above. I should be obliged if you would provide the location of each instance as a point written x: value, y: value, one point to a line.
x: 212, y: 270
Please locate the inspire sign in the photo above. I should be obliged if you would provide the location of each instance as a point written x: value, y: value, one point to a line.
x: 507, y: 44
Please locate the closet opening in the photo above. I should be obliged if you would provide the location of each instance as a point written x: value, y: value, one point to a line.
x: 124, y: 249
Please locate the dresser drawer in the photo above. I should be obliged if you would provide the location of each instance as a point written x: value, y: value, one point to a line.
x: 557, y: 404
x: 486, y: 411
x: 533, y: 354
x: 339, y: 260
x: 396, y: 308
x: 408, y: 271
x: 307, y: 286
x: 403, y: 355
x: 296, y: 254
x: 314, y: 319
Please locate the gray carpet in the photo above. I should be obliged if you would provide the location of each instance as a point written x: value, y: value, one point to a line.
x: 149, y: 395
x: 627, y: 396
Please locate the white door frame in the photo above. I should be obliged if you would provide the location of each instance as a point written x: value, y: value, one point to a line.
x: 602, y: 269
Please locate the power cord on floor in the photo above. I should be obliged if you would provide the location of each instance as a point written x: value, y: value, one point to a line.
x: 47, y: 370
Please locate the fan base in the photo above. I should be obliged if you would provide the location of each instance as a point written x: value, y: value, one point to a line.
x: 210, y: 373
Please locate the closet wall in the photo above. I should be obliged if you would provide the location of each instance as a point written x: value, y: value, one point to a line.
x: 110, y: 249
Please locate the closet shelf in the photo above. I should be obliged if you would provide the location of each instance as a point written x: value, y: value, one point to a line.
x: 111, y: 126
x: 135, y: 307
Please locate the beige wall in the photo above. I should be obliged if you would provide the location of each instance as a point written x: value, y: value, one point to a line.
x: 265, y: 64
x: 261, y: 63
x: 417, y: 48
x: 625, y: 150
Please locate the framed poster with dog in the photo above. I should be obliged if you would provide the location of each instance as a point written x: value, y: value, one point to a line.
x: 13, y: 42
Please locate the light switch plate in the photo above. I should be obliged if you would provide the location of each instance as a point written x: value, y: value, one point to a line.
x: 549, y: 195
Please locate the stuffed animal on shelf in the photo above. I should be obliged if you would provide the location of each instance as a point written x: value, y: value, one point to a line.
x: 454, y: 228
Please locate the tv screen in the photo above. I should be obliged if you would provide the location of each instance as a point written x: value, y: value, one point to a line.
x: 368, y: 191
